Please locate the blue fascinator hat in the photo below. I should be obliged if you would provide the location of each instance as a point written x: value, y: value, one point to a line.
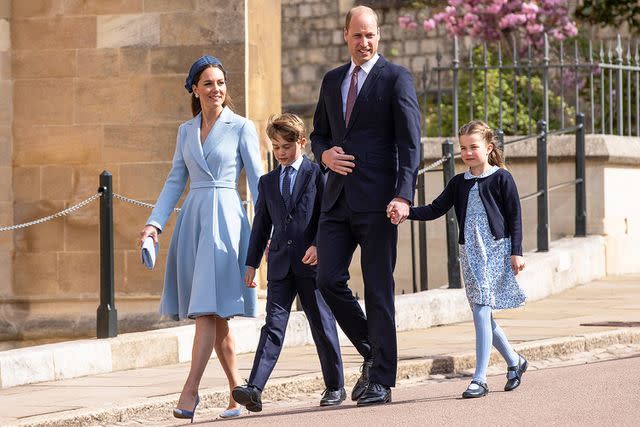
x: 198, y: 66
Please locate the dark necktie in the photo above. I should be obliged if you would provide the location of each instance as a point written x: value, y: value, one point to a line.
x: 352, y: 95
x: 286, y: 186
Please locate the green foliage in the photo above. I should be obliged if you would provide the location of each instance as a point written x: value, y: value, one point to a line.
x: 512, y: 124
x: 611, y: 13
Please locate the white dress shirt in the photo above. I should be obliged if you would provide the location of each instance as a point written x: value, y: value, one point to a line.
x: 295, y: 167
x: 365, y: 69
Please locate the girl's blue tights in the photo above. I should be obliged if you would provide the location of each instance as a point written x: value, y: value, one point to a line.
x: 487, y: 333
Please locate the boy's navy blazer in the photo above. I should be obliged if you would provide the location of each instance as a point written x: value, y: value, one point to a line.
x: 294, y: 229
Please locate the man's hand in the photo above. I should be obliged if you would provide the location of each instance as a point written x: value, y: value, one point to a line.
x: 398, y: 210
x: 266, y: 250
x: 248, y: 277
x: 517, y: 264
x: 310, y: 256
x: 335, y: 159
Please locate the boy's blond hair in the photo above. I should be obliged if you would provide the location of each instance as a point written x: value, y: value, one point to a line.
x: 478, y: 127
x: 286, y: 125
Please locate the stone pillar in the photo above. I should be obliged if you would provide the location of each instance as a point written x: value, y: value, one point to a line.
x: 99, y: 85
x: 264, y: 82
x: 6, y: 111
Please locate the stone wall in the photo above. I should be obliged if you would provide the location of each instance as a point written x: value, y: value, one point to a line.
x: 98, y: 85
x: 313, y: 43
x: 6, y: 191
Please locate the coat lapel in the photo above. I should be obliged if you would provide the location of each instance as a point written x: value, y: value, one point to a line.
x: 193, y: 143
x: 338, y: 89
x: 302, y: 179
x: 363, y: 95
x: 275, y: 189
x: 223, y: 125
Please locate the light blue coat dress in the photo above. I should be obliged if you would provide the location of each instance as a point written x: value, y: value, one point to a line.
x: 206, y: 259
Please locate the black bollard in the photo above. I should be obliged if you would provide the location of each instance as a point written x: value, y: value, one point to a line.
x: 107, y: 317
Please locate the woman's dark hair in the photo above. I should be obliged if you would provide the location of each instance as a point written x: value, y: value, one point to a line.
x: 195, y: 102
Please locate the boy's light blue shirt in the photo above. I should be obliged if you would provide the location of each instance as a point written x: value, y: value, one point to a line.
x: 294, y: 173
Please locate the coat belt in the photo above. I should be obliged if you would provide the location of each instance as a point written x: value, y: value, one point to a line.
x: 212, y: 184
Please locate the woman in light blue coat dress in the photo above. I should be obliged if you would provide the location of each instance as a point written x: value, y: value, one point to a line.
x: 206, y: 259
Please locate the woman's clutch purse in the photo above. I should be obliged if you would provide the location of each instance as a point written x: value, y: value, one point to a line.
x: 149, y: 253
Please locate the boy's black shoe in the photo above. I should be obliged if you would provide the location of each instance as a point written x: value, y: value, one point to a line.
x: 513, y: 383
x: 333, y: 396
x: 248, y: 396
x: 480, y: 391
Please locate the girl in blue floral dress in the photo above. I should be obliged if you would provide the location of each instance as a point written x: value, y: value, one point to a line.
x: 487, y: 205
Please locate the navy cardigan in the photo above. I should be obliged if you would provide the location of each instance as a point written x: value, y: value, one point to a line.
x: 499, y: 196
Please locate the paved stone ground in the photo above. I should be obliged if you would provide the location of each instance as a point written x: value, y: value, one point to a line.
x: 617, y: 351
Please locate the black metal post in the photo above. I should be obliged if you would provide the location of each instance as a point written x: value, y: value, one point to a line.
x: 581, y: 173
x: 414, y: 273
x: 543, y: 188
x: 619, y: 98
x: 454, y: 68
x: 107, y: 324
x: 500, y: 138
x: 453, y: 255
x: 422, y: 231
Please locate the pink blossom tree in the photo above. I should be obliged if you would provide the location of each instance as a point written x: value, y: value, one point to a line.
x: 491, y: 20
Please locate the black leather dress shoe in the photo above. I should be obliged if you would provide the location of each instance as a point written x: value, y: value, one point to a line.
x: 333, y: 396
x: 479, y: 391
x: 363, y: 381
x: 375, y: 394
x: 513, y: 383
x: 248, y: 396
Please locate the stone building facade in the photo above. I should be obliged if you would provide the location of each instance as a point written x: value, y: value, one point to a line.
x: 93, y: 85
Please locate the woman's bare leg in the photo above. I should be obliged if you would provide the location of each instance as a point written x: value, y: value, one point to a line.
x: 225, y: 347
x: 203, y: 343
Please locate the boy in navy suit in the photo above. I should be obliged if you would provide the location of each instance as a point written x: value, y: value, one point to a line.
x: 289, y: 204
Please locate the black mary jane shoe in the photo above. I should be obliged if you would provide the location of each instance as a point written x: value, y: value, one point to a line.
x: 479, y: 391
x: 513, y: 383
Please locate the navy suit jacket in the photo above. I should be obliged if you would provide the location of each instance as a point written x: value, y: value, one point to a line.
x: 294, y: 229
x: 383, y: 134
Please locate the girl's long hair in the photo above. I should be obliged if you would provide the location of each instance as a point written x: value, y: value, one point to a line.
x: 479, y: 127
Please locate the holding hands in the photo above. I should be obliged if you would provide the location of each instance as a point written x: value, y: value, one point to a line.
x: 335, y: 159
x: 398, y: 210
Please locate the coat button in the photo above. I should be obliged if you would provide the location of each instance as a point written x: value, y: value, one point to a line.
x: 288, y: 220
x: 289, y: 242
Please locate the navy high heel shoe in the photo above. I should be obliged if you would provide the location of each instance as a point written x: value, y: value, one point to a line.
x: 183, y: 413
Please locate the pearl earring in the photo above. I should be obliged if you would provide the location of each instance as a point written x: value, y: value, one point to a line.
x: 196, y: 95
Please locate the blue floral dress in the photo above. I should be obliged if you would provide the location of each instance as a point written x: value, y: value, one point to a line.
x: 486, y: 262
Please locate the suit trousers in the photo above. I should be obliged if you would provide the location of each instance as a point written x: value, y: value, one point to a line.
x: 280, y: 296
x: 340, y: 230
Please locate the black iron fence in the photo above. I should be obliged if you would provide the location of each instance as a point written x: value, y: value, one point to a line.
x: 511, y: 87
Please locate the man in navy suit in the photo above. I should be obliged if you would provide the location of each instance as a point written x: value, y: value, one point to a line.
x: 367, y: 134
x: 289, y: 203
